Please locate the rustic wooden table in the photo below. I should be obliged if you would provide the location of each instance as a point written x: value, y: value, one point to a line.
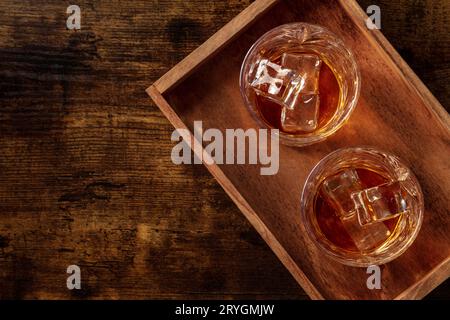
x: 85, y: 170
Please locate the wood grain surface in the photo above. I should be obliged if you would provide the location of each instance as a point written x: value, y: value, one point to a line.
x: 85, y: 170
x: 394, y: 123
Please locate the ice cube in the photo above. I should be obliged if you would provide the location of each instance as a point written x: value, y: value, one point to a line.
x: 365, y: 237
x: 339, y: 188
x: 380, y: 203
x: 303, y: 116
x: 307, y: 68
x: 271, y: 80
x: 284, y: 85
x: 296, y: 90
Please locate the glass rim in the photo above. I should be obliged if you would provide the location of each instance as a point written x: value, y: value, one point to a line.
x: 357, y: 259
x: 293, y: 139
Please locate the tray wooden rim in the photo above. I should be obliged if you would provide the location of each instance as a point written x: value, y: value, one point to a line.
x: 220, y: 39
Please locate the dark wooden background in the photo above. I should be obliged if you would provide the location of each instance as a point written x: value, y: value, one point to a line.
x: 85, y: 170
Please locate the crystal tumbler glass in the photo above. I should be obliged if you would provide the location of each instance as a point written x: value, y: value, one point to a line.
x: 301, y: 79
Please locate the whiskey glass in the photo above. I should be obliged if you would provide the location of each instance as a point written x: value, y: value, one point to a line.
x: 362, y: 206
x: 301, y: 79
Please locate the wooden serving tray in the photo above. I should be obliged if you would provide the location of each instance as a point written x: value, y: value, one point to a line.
x: 395, y: 113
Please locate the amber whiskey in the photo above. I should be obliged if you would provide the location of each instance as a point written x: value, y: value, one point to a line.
x: 329, y: 92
